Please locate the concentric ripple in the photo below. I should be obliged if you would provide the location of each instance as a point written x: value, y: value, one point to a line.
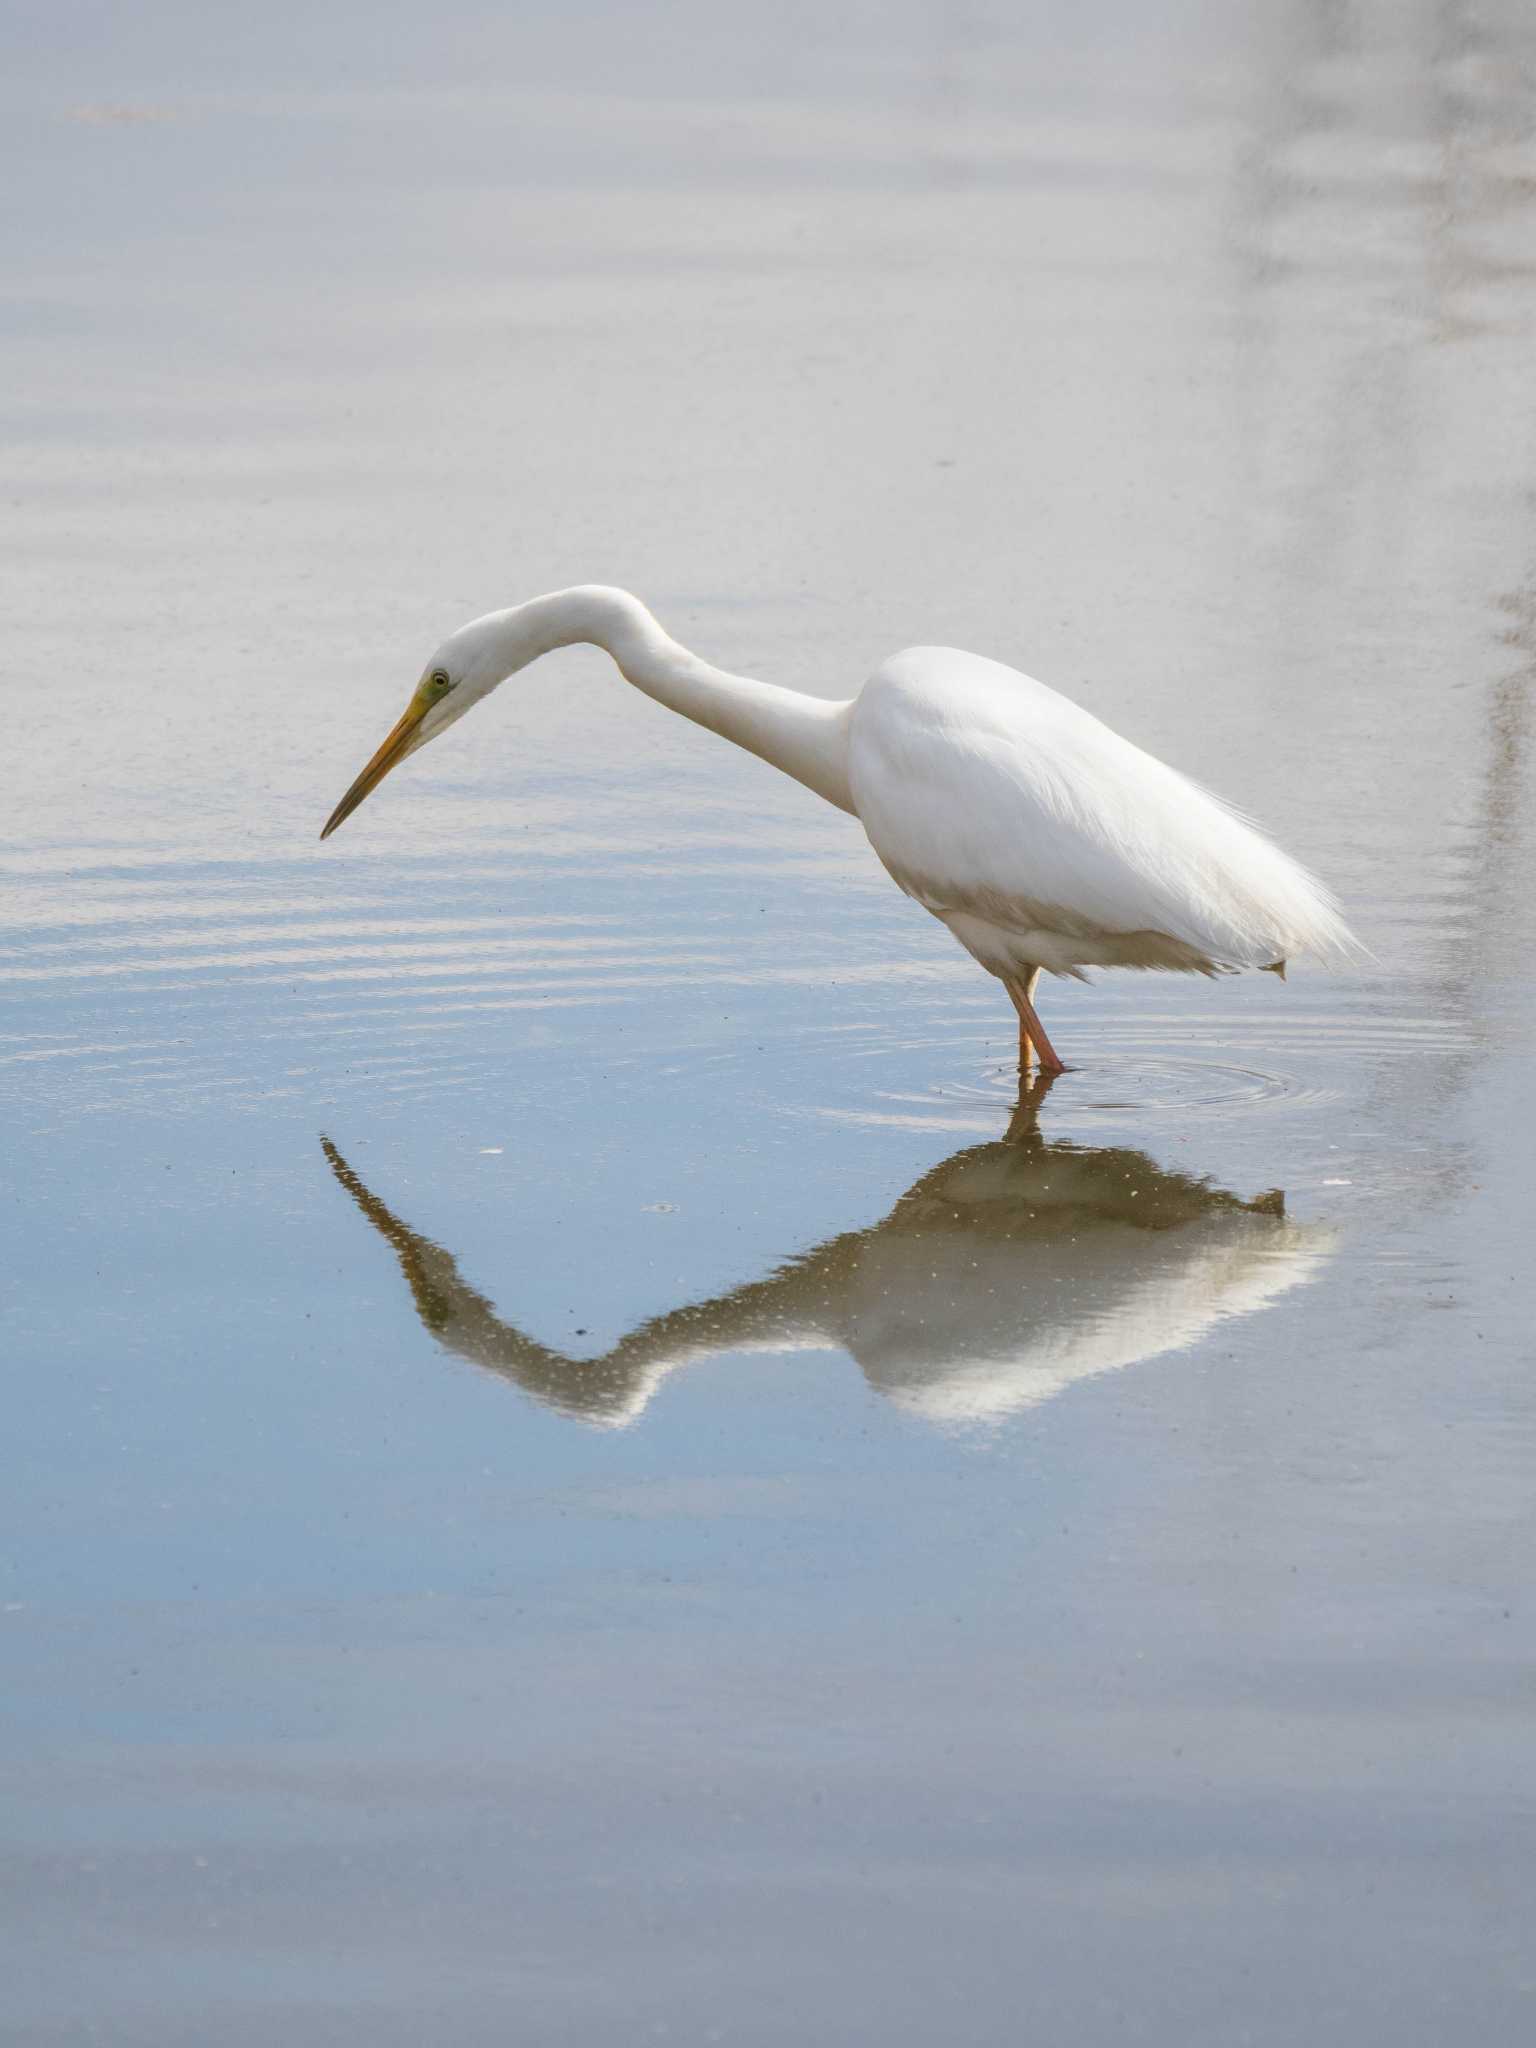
x: 131, y: 975
x: 1232, y: 1058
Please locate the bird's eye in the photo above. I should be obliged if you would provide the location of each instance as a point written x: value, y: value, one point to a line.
x: 439, y: 681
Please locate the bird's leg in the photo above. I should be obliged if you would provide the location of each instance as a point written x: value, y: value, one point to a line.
x: 1032, y: 1037
x: 1020, y: 993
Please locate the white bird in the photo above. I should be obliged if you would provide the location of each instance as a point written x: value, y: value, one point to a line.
x: 1041, y: 838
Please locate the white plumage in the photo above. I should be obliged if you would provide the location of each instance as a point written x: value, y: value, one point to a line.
x: 1044, y: 839
x: 1041, y: 838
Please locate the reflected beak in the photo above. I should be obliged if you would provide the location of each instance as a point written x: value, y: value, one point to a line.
x: 394, y: 749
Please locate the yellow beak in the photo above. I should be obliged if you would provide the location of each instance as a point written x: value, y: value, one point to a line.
x: 394, y: 750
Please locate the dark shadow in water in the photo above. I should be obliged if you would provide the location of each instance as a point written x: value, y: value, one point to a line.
x: 1005, y: 1274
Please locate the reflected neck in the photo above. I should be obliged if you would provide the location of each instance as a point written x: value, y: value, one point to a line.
x: 807, y: 737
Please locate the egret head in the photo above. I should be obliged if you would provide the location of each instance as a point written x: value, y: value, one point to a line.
x: 468, y: 666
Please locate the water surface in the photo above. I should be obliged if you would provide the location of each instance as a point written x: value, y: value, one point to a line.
x: 582, y: 1468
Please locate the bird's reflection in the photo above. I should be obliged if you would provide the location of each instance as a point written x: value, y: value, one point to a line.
x: 1004, y: 1275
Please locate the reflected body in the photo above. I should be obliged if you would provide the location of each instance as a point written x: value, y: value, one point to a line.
x: 1040, y: 838
x: 1006, y: 1274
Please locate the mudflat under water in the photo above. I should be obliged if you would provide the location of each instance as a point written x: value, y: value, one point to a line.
x: 580, y: 1469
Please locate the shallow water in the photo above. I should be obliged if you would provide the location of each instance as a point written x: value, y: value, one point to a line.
x: 581, y: 1469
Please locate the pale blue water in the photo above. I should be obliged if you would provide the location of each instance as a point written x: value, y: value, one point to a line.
x: 576, y: 1473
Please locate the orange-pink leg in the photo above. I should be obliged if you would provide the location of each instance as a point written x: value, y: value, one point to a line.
x: 1032, y: 1036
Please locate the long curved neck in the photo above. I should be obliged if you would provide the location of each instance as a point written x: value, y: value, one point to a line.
x: 805, y: 736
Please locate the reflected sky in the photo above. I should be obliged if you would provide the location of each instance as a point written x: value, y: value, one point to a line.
x: 1073, y: 1588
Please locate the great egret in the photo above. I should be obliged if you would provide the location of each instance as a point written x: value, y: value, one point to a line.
x: 1008, y: 1273
x: 1038, y: 836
